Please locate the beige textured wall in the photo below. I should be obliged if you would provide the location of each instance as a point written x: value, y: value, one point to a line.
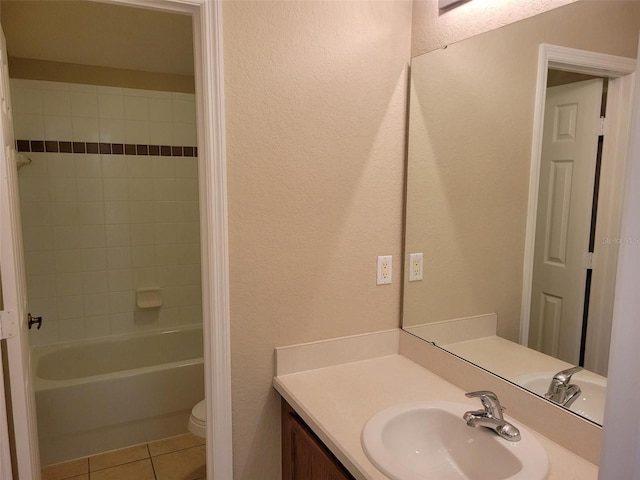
x: 433, y: 28
x: 315, y: 111
x: 30, y: 69
x: 471, y: 127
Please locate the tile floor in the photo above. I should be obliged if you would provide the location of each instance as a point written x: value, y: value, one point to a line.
x: 175, y: 458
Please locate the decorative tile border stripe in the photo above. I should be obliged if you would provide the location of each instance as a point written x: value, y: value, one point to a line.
x: 54, y: 146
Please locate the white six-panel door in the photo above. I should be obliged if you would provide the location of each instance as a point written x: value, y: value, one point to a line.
x: 567, y: 173
x: 14, y: 308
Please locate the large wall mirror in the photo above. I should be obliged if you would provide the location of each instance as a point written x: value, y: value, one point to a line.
x: 514, y: 195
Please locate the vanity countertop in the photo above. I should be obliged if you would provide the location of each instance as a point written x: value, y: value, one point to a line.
x: 336, y: 401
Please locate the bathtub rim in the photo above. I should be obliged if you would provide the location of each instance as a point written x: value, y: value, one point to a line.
x: 37, y: 352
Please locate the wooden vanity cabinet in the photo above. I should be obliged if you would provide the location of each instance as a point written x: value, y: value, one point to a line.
x: 304, y: 456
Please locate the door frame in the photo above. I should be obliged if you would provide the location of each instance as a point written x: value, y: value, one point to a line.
x: 621, y: 71
x: 209, y: 79
x: 620, y: 454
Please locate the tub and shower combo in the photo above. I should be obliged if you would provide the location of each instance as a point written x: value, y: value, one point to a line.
x: 99, y: 395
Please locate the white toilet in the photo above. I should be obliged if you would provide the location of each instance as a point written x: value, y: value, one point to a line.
x: 198, y: 420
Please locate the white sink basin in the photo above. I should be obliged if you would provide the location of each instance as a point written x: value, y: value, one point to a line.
x: 431, y: 441
x: 591, y: 402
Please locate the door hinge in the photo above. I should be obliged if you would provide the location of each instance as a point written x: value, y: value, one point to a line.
x: 8, y: 324
x: 587, y: 261
x: 603, y: 124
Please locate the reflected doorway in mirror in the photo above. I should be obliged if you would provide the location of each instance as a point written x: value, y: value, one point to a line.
x: 594, y: 335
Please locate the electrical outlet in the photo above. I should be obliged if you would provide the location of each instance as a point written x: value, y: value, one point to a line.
x: 415, y: 267
x: 384, y: 269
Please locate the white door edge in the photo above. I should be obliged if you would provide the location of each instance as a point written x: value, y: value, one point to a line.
x: 5, y: 447
x: 20, y: 395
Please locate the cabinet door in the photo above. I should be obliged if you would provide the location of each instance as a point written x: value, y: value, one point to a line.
x: 304, y: 457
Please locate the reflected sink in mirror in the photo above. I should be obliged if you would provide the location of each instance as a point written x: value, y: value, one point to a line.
x: 431, y: 441
x: 472, y: 188
x: 590, y: 404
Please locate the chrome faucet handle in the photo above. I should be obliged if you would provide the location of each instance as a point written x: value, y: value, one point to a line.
x: 561, y: 379
x: 560, y: 390
x: 489, y: 401
x: 564, y: 376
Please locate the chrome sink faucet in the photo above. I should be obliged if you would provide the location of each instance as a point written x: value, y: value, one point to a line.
x: 491, y: 416
x: 561, y: 391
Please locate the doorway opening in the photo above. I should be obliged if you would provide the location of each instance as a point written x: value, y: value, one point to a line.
x: 110, y: 215
x: 210, y: 130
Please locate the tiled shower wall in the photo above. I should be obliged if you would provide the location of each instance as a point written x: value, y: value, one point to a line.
x: 97, y: 226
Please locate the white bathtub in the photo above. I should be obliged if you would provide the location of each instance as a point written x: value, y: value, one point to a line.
x: 98, y: 395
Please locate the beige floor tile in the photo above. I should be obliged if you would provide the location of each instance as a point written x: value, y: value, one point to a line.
x: 186, y: 464
x: 118, y: 457
x: 140, y: 470
x: 173, y: 444
x: 65, y: 470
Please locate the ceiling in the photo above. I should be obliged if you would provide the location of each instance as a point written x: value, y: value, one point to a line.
x: 99, y: 34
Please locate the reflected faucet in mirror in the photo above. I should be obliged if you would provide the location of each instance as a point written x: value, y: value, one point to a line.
x: 561, y: 391
x: 476, y: 208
